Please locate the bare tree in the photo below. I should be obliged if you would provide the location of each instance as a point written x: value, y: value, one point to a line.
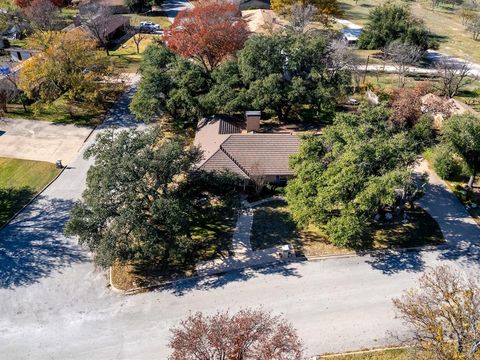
x: 97, y: 19
x: 444, y: 314
x: 402, y: 57
x: 246, y: 335
x: 453, y: 75
x: 342, y: 57
x: 42, y: 15
x: 473, y: 26
x: 137, y: 35
x: 301, y: 16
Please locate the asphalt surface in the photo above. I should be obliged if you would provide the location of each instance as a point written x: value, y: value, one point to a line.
x: 173, y: 7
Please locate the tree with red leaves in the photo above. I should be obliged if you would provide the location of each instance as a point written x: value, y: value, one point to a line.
x: 246, y: 335
x: 210, y: 32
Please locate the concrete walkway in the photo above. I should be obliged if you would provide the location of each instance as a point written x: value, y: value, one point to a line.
x: 243, y: 255
x: 459, y: 229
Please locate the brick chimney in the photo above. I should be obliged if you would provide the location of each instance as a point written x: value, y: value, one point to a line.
x: 253, y: 120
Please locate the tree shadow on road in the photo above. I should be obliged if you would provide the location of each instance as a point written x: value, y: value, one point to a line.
x: 180, y: 288
x: 395, y: 261
x: 33, y: 245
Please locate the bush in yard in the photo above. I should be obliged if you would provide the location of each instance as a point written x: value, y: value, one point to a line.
x: 446, y: 165
x: 347, y: 231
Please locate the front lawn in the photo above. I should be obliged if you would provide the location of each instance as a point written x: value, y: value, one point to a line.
x: 273, y: 225
x: 20, y: 181
x: 125, y: 56
x: 66, y: 111
x: 211, y: 238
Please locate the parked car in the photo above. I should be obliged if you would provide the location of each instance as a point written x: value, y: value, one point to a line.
x: 150, y: 27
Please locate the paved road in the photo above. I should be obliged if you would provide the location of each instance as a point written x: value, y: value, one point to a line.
x: 173, y: 7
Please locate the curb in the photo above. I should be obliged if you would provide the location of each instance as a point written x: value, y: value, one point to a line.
x: 328, y: 356
x: 168, y: 283
x: 33, y: 199
x: 44, y: 188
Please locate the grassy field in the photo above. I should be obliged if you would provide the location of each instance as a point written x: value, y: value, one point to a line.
x: 20, y: 180
x: 273, y: 225
x: 390, y: 354
x: 444, y: 22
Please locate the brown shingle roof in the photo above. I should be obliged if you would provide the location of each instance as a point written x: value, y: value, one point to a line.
x: 225, y: 148
x: 262, y: 154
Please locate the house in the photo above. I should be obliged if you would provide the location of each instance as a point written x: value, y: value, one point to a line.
x: 240, y: 148
x: 111, y: 27
x: 350, y: 36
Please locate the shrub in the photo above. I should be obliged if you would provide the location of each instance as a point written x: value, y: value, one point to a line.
x: 348, y: 230
x: 446, y: 165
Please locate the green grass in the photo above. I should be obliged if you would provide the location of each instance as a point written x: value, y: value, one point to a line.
x: 273, y: 225
x: 125, y: 56
x: 66, y: 111
x: 445, y: 23
x: 20, y: 180
x: 390, y: 354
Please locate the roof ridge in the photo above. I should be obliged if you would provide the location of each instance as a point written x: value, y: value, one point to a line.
x: 233, y: 159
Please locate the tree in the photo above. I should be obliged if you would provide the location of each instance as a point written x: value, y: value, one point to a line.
x: 357, y: 169
x: 406, y: 106
x: 69, y: 63
x: 453, y: 75
x: 326, y: 9
x: 281, y: 74
x: 301, y: 16
x: 147, y: 210
x: 171, y: 86
x: 443, y: 312
x: 462, y: 133
x: 248, y: 334
x: 211, y: 32
x: 135, y: 5
x: 402, y: 56
x: 390, y: 22
x: 473, y: 26
x: 42, y: 15
x: 137, y: 35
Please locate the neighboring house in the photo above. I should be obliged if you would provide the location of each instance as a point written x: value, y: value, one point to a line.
x: 228, y: 145
x: 350, y: 36
x: 115, y: 26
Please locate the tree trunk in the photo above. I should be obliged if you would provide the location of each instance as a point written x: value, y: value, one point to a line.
x: 472, y: 177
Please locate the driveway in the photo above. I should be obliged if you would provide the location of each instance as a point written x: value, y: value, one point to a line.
x: 40, y: 140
